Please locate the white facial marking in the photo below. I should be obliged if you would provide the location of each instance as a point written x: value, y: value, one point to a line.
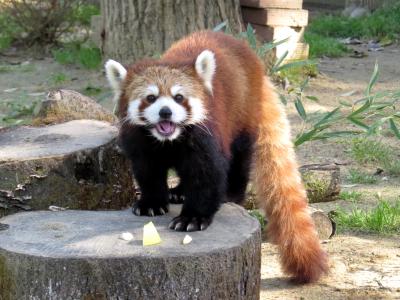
x: 205, y: 67
x: 176, y: 89
x: 152, y: 90
x: 115, y: 73
x: 133, y: 114
x: 198, y: 112
x: 162, y: 138
x: 151, y: 113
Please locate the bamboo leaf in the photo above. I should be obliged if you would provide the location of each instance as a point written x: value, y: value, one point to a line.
x: 312, y: 98
x: 279, y: 62
x: 358, y: 123
x: 307, y: 136
x: 326, y: 118
x: 251, y: 37
x: 220, y: 26
x: 394, y: 128
x: 283, y: 99
x: 373, y: 79
x: 300, y: 109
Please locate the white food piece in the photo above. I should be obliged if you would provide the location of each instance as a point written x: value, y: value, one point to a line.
x: 126, y: 236
x: 187, y: 239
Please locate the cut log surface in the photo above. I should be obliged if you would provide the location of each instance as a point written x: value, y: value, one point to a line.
x: 75, y: 164
x: 78, y: 255
x: 296, y: 4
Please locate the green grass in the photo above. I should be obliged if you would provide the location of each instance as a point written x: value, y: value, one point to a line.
x: 298, y: 74
x: 385, y: 219
x: 59, y: 78
x: 352, y: 196
x: 88, y: 57
x: 369, y: 151
x: 323, y: 31
x: 381, y: 23
x: 324, y: 46
x: 359, y: 177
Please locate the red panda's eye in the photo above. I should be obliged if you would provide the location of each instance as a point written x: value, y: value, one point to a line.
x: 178, y: 98
x: 151, y: 98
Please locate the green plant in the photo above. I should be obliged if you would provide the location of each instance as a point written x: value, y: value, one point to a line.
x: 358, y: 177
x: 381, y: 23
x: 256, y: 214
x: 368, y: 115
x: 18, y: 112
x: 74, y: 53
x: 368, y: 150
x: 385, y: 218
x: 324, y: 46
x: 59, y: 78
x: 323, y: 31
x: 352, y: 196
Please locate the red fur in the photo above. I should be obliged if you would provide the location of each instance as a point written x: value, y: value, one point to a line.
x: 244, y: 100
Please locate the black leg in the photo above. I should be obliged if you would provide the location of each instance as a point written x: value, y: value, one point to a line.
x: 202, y: 170
x: 152, y: 180
x: 239, y: 168
x: 150, y: 170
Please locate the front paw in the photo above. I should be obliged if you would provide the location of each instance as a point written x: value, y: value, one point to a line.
x: 143, y: 208
x: 182, y: 223
x: 175, y: 195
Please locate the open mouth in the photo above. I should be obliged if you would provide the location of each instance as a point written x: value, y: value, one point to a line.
x: 165, y: 128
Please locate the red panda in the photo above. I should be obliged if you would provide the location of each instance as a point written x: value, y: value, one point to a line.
x: 207, y: 110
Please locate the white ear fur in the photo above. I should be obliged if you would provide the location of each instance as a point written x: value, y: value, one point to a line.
x: 116, y: 73
x: 205, y: 67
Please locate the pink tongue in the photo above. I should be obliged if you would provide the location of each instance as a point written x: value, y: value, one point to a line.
x: 165, y: 127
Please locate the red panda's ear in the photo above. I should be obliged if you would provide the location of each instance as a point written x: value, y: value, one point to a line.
x: 116, y: 73
x: 205, y: 67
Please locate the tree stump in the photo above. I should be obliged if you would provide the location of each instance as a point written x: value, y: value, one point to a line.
x: 75, y: 164
x: 66, y: 105
x: 130, y: 29
x: 322, y: 182
x: 78, y: 255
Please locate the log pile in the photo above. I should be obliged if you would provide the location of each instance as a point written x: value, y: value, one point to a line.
x: 279, y: 20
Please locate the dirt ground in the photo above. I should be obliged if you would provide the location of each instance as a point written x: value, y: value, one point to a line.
x: 363, y: 266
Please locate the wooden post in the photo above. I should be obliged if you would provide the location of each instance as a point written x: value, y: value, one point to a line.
x: 279, y: 20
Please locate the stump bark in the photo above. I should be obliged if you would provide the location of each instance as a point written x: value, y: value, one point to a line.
x: 75, y: 164
x: 78, y: 255
x: 136, y: 28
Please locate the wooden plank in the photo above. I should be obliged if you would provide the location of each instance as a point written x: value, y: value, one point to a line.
x: 295, y: 4
x: 268, y: 33
x: 276, y: 16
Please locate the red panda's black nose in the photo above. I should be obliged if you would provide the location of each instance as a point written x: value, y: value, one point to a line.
x: 165, y: 112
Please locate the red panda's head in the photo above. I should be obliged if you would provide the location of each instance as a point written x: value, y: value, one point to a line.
x: 162, y: 98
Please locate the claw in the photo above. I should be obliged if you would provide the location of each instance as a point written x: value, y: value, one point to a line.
x: 179, y: 226
x: 151, y: 212
x: 192, y: 226
x: 203, y: 226
x: 136, y: 211
x: 162, y: 211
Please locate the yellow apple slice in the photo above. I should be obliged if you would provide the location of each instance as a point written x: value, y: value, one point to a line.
x: 187, y: 239
x: 150, y: 235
